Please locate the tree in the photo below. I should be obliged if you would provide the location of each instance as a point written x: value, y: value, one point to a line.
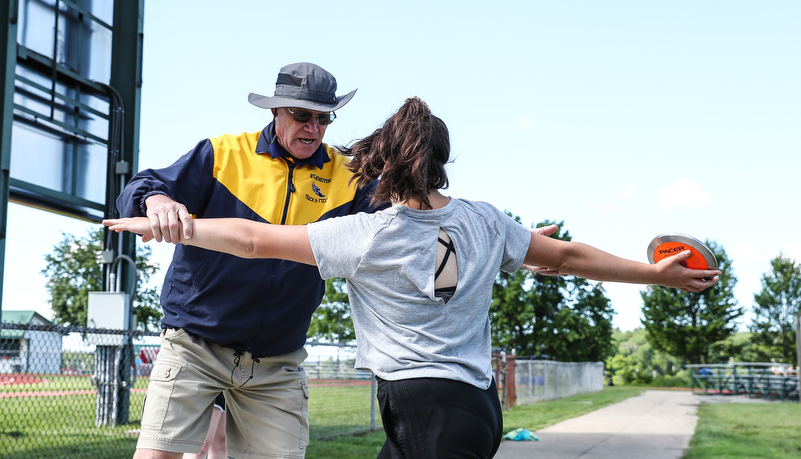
x: 74, y: 269
x: 332, y: 321
x: 583, y: 326
x: 524, y: 307
x: 687, y: 324
x: 636, y: 362
x: 739, y: 347
x: 775, y: 309
x: 558, y: 317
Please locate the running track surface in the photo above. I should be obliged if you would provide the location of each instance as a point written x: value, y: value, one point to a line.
x: 10, y: 380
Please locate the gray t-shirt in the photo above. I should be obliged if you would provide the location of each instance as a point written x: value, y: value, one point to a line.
x: 389, y: 259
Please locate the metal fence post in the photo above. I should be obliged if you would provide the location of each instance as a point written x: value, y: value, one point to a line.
x: 112, y: 374
x: 373, y: 390
x: 505, y: 402
x: 798, y: 352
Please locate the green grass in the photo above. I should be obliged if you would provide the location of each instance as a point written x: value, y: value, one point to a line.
x: 736, y: 430
x: 339, y: 410
x: 747, y: 430
x: 63, y: 426
x: 349, y: 447
x: 530, y: 417
x: 45, y: 426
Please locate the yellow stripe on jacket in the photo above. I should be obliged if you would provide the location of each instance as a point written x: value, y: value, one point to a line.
x: 262, y: 183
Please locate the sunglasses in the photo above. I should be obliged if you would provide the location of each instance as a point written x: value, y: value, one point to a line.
x: 302, y: 116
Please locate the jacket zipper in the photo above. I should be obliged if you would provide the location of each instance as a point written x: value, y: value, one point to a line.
x: 289, y: 190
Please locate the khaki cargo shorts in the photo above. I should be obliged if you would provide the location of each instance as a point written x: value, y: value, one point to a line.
x: 267, y: 399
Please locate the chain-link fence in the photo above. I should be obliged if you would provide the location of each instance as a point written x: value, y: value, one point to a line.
x: 74, y: 392
x: 538, y: 380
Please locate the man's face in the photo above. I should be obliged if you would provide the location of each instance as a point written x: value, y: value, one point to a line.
x: 300, y: 140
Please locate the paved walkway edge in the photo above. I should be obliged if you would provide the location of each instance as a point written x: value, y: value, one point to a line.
x: 657, y: 424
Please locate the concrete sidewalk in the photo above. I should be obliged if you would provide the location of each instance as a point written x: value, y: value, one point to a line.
x: 658, y: 424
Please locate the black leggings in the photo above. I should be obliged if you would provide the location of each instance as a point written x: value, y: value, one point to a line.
x: 439, y: 418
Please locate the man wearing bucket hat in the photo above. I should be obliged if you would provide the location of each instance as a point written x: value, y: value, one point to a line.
x: 237, y: 325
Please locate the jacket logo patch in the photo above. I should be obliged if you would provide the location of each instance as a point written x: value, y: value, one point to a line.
x: 321, y: 198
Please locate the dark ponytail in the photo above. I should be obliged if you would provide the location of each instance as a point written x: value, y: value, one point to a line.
x: 408, y: 153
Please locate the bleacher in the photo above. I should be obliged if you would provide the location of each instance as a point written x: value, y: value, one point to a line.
x: 754, y: 379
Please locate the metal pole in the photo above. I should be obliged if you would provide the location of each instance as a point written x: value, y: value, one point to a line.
x: 373, y: 390
x: 8, y: 65
x: 798, y: 353
x: 505, y: 396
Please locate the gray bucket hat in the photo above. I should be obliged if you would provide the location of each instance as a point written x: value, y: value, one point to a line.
x: 303, y: 85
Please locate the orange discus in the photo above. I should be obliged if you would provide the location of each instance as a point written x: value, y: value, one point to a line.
x: 669, y: 244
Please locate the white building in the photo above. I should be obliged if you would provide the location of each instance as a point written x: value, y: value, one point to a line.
x: 29, y: 351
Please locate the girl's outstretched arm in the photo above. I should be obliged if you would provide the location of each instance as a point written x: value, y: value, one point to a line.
x: 236, y: 236
x: 582, y: 260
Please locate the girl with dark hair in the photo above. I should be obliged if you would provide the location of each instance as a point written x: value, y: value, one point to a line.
x: 420, y: 277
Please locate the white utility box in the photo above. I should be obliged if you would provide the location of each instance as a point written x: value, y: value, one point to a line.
x: 110, y: 310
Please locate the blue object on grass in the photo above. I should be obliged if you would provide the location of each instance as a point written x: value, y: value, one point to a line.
x: 520, y: 434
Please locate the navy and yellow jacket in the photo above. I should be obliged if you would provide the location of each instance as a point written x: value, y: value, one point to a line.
x: 260, y: 306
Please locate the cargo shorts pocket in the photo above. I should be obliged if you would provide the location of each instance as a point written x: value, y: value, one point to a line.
x: 304, y: 434
x: 159, y: 393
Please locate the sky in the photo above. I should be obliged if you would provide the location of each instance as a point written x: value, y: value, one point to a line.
x: 623, y: 119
